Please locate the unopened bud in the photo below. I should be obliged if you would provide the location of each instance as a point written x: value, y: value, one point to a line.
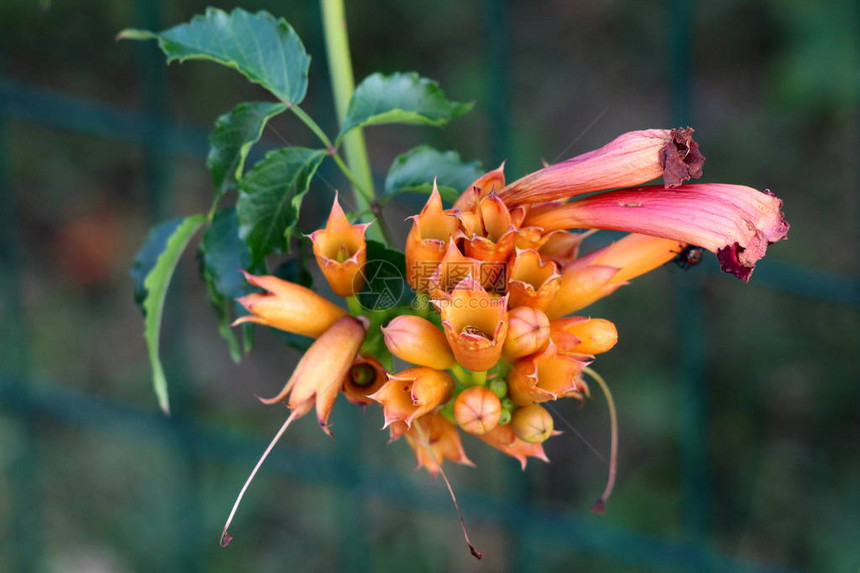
x: 583, y: 335
x: 532, y: 424
x: 528, y: 331
x: 419, y: 341
x: 477, y: 410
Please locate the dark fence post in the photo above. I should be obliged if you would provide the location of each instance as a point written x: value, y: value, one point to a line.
x: 25, y: 516
x: 689, y: 319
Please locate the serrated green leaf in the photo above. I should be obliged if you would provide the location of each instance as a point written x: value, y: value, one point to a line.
x: 265, y: 50
x: 231, y: 140
x: 270, y: 195
x: 413, y: 172
x: 151, y: 273
x: 400, y: 98
x: 222, y: 254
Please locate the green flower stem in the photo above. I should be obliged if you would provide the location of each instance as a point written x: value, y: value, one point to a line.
x: 461, y: 374
x: 354, y: 306
x: 314, y: 127
x: 343, y: 84
x: 479, y: 378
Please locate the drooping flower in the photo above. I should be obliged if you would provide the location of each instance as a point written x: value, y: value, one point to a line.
x: 502, y: 438
x: 413, y: 392
x: 365, y: 376
x: 288, y: 306
x: 547, y: 375
x: 319, y: 375
x: 442, y: 438
x: 735, y: 222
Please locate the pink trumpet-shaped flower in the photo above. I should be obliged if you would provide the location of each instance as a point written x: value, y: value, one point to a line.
x: 733, y: 221
x: 630, y: 159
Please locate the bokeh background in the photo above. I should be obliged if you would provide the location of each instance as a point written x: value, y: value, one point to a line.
x: 738, y: 403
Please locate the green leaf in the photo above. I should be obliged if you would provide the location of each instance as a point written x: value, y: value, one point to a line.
x: 270, y: 195
x: 400, y: 98
x: 413, y: 172
x: 151, y: 273
x: 235, y: 132
x: 222, y: 254
x: 266, y: 51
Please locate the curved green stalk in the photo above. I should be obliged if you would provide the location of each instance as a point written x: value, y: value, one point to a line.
x: 343, y: 84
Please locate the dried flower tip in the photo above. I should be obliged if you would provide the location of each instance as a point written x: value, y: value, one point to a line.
x: 477, y: 410
x: 630, y: 159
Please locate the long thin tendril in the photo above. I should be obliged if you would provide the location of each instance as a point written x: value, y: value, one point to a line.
x: 225, y: 537
x: 426, y: 443
x: 600, y: 505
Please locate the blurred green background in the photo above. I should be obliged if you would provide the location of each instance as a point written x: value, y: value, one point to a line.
x: 739, y: 404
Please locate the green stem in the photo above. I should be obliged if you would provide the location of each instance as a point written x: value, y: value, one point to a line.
x: 312, y: 125
x: 354, y: 306
x: 479, y: 378
x: 343, y: 84
x: 461, y: 374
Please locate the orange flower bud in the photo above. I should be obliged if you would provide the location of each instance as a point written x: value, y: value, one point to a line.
x: 319, y: 375
x: 600, y: 273
x: 288, y: 306
x: 419, y: 341
x: 431, y: 230
x: 545, y: 376
x: 475, y: 325
x: 365, y: 376
x: 531, y: 281
x: 581, y: 335
x: 503, y: 439
x: 532, y: 424
x: 528, y: 331
x: 443, y: 439
x: 412, y: 393
x: 341, y: 251
x: 477, y: 410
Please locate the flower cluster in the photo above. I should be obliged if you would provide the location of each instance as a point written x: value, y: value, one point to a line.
x: 497, y: 276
